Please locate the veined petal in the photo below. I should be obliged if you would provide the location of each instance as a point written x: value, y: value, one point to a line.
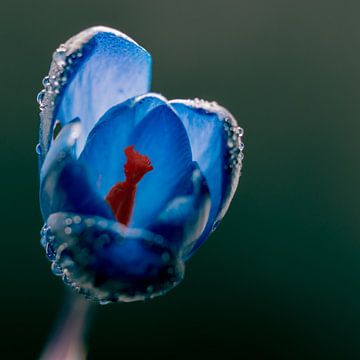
x: 108, y: 262
x: 185, y: 217
x: 64, y: 185
x: 93, y: 71
x: 104, y: 149
x: 216, y: 145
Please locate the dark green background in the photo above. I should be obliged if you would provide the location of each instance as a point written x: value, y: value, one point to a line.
x: 280, y: 278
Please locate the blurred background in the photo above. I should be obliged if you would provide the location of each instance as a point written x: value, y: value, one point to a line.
x: 280, y: 278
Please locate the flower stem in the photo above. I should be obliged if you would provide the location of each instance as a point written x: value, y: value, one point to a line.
x: 67, y: 341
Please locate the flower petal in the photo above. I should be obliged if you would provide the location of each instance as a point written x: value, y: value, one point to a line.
x: 162, y: 137
x: 108, y: 262
x: 185, y: 217
x: 216, y: 145
x: 93, y: 71
x: 64, y: 185
x: 104, y: 149
x: 155, y: 130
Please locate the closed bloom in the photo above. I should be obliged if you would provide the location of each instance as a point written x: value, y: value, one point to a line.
x: 133, y: 183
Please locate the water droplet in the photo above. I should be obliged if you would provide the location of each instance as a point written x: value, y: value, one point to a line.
x: 59, y: 56
x: 66, y: 280
x: 56, y: 270
x: 63, y: 80
x: 38, y: 149
x: 230, y: 143
x: 46, y: 81
x: 50, y: 253
x: 104, y: 302
x: 77, y: 219
x: 45, y: 234
x: 68, y: 230
x: 40, y: 97
x: 102, y: 223
x: 44, y: 230
x: 90, y: 222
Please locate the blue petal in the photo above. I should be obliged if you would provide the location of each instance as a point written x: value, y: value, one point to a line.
x: 93, y: 71
x: 162, y: 137
x: 216, y: 145
x: 185, y: 217
x: 155, y: 130
x: 108, y: 262
x: 64, y: 185
x: 104, y: 149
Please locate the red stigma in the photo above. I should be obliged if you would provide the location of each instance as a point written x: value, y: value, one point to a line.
x: 121, y: 196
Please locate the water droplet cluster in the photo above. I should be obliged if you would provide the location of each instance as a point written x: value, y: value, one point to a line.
x: 74, y: 245
x: 233, y: 132
x: 53, y: 83
x: 209, y: 106
x: 61, y: 67
x: 235, y: 145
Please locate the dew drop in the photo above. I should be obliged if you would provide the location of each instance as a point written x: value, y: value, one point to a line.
x: 56, y: 270
x: 50, y: 253
x: 230, y: 143
x: 59, y: 56
x: 66, y: 280
x: 102, y: 223
x: 77, y: 219
x: 46, y: 81
x: 104, y: 302
x: 40, y: 97
x: 68, y: 230
x: 89, y: 222
x: 38, y: 149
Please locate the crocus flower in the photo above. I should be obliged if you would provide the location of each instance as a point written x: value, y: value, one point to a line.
x: 132, y: 184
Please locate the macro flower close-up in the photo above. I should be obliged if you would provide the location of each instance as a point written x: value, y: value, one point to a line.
x: 179, y: 180
x: 131, y: 184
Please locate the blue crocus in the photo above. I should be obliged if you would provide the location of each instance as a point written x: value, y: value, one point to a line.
x: 133, y: 183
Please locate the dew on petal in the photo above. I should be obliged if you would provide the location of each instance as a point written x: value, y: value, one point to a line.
x: 59, y: 56
x: 40, y: 97
x: 56, y: 269
x: 38, y: 149
x: 46, y: 81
